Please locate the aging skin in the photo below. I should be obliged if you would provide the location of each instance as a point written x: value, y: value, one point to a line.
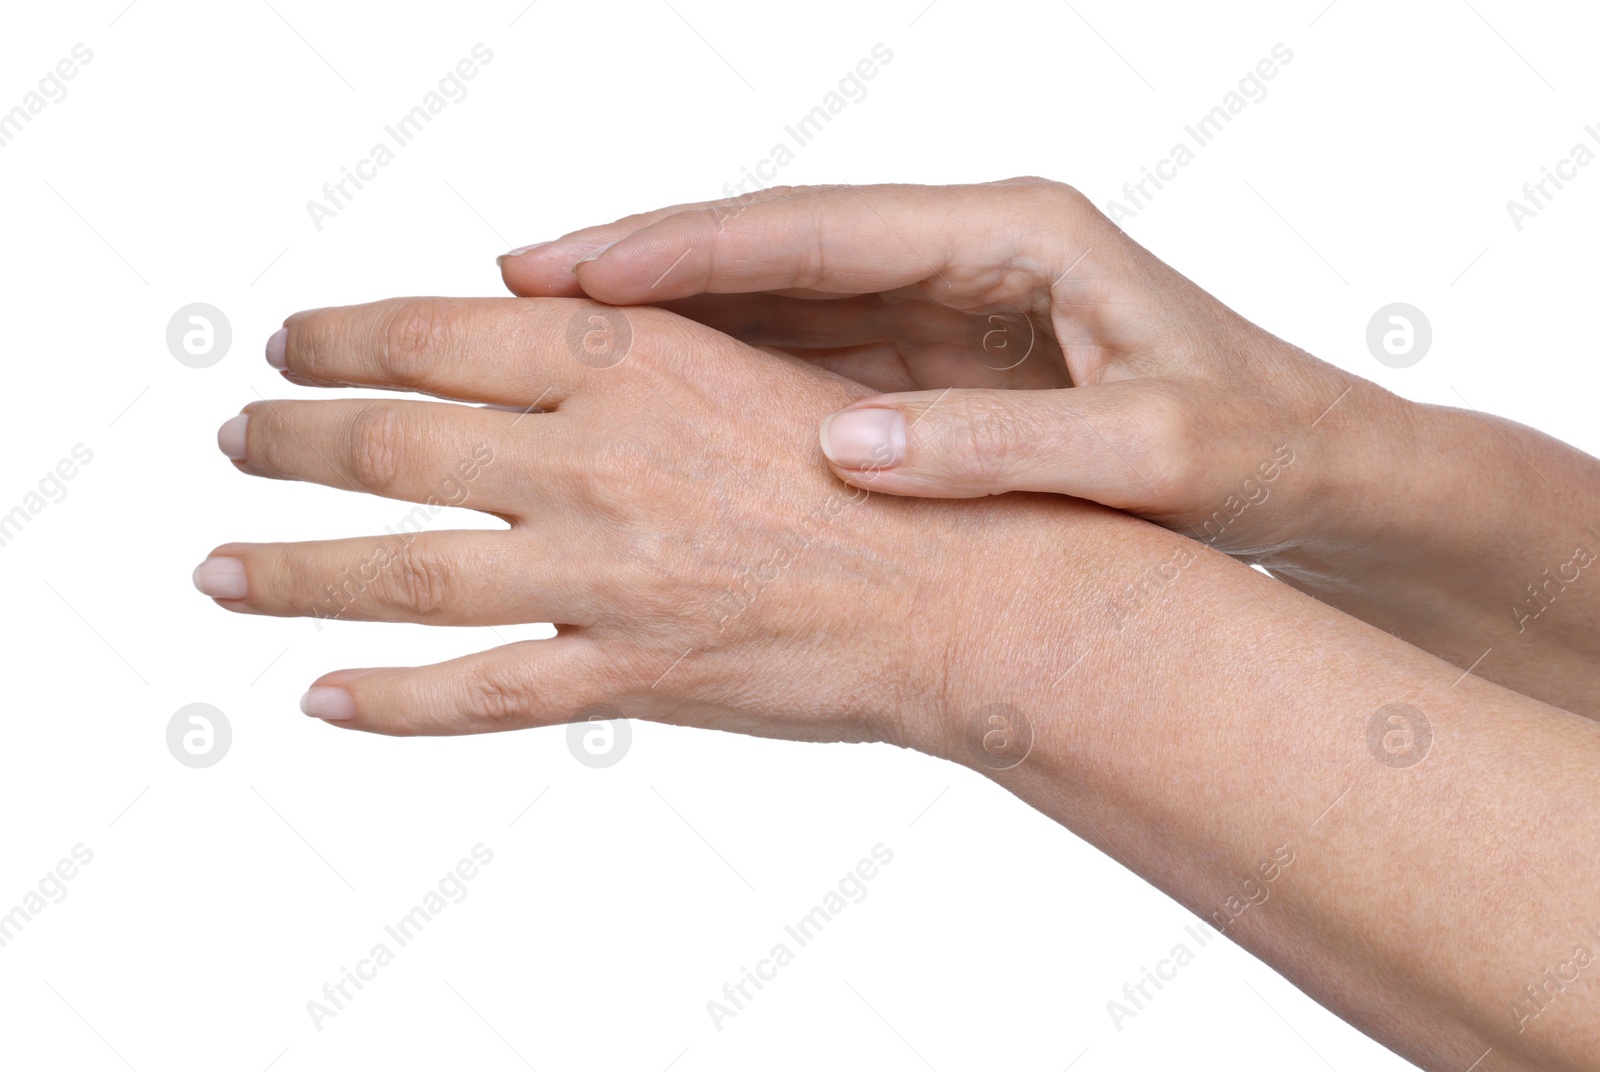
x: 1472, y: 537
x: 1190, y: 735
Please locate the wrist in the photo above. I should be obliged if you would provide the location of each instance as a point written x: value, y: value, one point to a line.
x: 1364, y: 479
x: 1060, y: 583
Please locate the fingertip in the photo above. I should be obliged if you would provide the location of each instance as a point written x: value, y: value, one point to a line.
x: 540, y: 273
x: 331, y: 703
x: 526, y: 255
x: 333, y: 696
x: 277, y: 349
x: 222, y: 577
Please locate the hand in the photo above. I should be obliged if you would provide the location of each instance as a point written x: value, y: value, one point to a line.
x: 1180, y: 411
x: 672, y: 510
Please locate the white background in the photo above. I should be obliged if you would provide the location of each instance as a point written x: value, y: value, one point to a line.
x: 220, y: 901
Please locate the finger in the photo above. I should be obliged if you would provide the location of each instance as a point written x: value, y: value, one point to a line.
x: 432, y: 453
x: 547, y: 269
x: 504, y: 351
x: 995, y: 243
x: 533, y: 683
x: 439, y: 578
x: 1121, y: 444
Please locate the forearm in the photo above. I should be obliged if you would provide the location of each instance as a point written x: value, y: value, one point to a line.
x: 1470, y: 536
x: 1221, y: 736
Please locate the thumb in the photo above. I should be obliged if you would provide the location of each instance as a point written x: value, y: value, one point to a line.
x: 1106, y: 442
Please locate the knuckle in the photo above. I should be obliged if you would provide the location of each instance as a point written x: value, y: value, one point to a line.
x: 1051, y: 193
x: 378, y: 435
x: 416, y: 581
x: 496, y: 700
x: 1163, y: 440
x: 988, y: 436
x: 1032, y: 182
x: 415, y: 335
x: 616, y: 468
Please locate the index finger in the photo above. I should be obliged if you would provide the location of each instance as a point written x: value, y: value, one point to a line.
x: 547, y: 269
x: 958, y: 244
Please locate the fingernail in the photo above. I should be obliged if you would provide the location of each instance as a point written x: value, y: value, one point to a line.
x: 519, y: 251
x: 869, y: 438
x: 328, y: 701
x: 277, y: 349
x: 594, y: 255
x: 230, y: 437
x: 222, y: 578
